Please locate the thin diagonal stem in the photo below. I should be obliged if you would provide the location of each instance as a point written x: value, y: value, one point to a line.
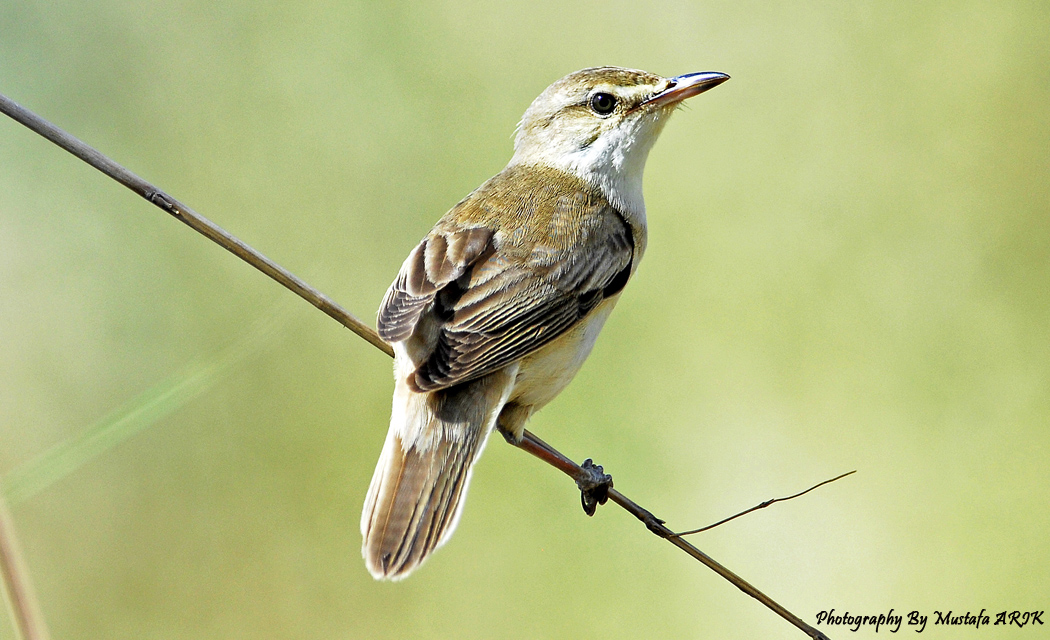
x: 529, y: 443
x: 194, y: 220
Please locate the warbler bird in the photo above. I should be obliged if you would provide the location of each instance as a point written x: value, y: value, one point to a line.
x: 494, y: 312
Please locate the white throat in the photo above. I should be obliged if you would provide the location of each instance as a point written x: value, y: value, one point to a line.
x: 613, y: 161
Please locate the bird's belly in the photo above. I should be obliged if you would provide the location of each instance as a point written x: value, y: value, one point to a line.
x: 543, y: 374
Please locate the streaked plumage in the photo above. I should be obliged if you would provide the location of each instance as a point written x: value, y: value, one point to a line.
x: 494, y: 312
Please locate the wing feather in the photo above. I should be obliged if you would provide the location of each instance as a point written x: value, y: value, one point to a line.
x: 437, y: 261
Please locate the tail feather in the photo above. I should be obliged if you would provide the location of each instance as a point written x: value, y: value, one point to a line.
x: 417, y: 491
x: 416, y: 496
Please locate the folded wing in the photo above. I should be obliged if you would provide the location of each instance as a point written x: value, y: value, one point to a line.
x: 477, y: 298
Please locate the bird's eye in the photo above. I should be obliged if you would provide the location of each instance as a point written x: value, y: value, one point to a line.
x: 603, y: 103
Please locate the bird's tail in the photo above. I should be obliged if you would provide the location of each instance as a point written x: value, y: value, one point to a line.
x: 418, y: 489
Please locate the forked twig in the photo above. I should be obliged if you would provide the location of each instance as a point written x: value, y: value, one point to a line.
x: 529, y: 443
x: 550, y: 455
x: 763, y: 505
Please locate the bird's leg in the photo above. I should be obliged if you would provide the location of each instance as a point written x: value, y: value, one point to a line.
x: 592, y: 480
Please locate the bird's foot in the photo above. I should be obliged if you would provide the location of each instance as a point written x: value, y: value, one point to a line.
x: 594, y: 486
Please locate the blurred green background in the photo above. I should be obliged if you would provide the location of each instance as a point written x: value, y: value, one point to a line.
x: 848, y: 268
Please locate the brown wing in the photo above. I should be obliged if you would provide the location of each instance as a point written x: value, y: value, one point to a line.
x: 481, y: 305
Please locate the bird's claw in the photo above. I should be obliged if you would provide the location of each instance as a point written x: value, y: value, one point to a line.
x: 594, y: 486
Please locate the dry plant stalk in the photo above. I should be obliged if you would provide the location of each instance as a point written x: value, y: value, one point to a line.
x: 583, y: 475
x: 17, y: 587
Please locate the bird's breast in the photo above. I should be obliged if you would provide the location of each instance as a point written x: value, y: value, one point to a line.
x: 544, y: 373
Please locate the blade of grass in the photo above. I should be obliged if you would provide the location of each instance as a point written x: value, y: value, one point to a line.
x: 137, y: 414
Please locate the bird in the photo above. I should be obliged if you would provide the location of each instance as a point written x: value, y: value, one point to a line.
x: 494, y: 312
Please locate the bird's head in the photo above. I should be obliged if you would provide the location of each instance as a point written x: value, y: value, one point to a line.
x: 599, y: 124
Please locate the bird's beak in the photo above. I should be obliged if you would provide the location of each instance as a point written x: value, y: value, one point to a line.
x: 685, y: 86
